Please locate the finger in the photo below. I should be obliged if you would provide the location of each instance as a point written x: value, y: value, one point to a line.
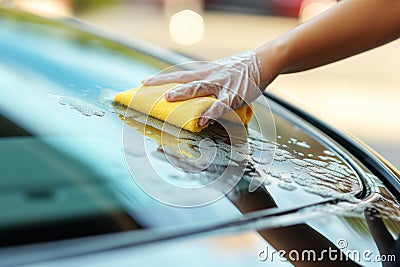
x: 192, y: 90
x: 178, y: 77
x: 217, y: 109
x: 174, y: 77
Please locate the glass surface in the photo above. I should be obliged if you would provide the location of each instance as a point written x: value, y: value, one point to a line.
x: 55, y: 96
x: 57, y: 85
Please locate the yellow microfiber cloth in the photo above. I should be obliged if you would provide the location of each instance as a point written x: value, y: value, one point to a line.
x: 184, y: 114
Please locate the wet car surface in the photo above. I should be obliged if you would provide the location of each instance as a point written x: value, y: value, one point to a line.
x: 66, y: 152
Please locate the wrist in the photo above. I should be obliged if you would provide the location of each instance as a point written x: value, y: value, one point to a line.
x: 272, y: 56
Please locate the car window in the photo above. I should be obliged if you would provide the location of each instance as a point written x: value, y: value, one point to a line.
x: 62, y: 139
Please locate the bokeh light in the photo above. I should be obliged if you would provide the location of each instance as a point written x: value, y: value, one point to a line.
x: 46, y: 8
x: 186, y: 27
x: 312, y: 8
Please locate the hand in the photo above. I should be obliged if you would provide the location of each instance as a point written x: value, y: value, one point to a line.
x: 235, y: 81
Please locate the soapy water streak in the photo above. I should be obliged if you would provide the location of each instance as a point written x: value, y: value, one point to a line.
x: 191, y: 169
x: 203, y: 167
x: 206, y: 165
x: 84, y: 108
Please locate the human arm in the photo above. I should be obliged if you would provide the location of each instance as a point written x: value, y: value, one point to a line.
x: 349, y: 28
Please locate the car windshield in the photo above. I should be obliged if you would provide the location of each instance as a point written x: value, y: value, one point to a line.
x: 64, y: 165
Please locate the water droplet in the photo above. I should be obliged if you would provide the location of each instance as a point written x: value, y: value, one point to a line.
x: 279, y: 158
x: 283, y: 153
x: 317, y: 162
x: 329, y: 153
x: 267, y: 181
x: 286, y: 177
x: 300, y: 162
x: 317, y: 175
x: 329, y: 159
x: 106, y: 96
x: 275, y: 175
x: 303, y: 144
x: 338, y: 168
x: 317, y: 170
x: 349, y: 171
x: 263, y: 147
x: 261, y: 160
x: 336, y: 174
x: 287, y: 186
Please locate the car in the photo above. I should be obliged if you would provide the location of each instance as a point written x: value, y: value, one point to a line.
x: 87, y: 182
x: 290, y: 8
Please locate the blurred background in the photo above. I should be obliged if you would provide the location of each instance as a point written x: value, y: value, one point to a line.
x: 359, y: 95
